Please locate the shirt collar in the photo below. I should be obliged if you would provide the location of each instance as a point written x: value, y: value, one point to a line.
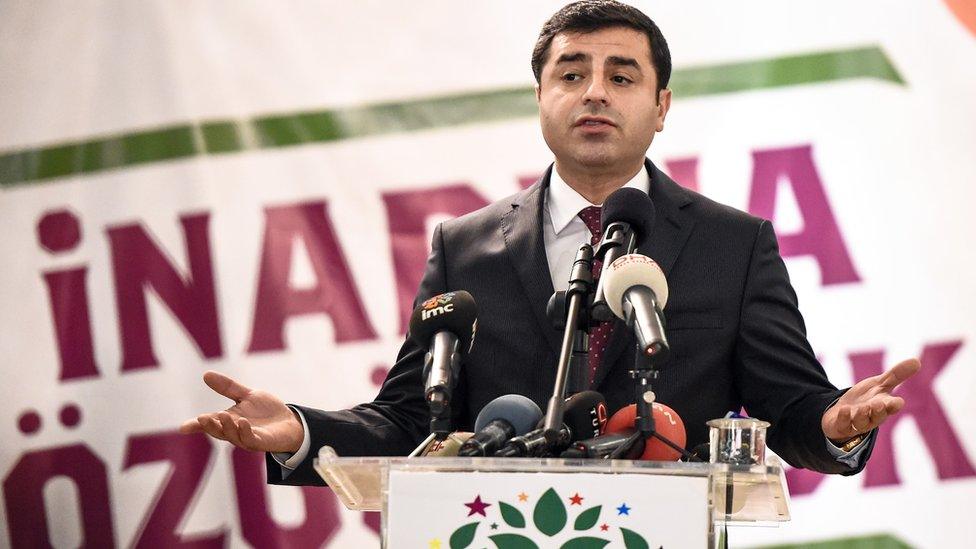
x: 564, y: 203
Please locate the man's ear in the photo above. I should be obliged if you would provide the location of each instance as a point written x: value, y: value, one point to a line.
x: 538, y: 93
x: 663, y: 105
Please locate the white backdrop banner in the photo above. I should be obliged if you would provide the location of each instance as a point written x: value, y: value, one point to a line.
x: 250, y: 188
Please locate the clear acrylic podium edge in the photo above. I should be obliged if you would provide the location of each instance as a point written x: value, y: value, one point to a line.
x: 738, y: 495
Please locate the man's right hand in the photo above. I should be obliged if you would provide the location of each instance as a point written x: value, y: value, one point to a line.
x: 258, y: 421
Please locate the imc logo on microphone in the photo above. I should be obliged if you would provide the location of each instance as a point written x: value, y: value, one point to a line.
x: 437, y: 305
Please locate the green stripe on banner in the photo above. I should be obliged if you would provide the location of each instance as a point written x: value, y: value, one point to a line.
x: 287, y: 130
x: 880, y: 541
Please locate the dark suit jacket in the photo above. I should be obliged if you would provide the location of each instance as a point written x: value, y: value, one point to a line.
x: 737, y: 338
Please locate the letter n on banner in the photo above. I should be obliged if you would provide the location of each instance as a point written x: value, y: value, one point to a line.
x: 821, y: 235
x: 138, y: 264
x: 407, y: 213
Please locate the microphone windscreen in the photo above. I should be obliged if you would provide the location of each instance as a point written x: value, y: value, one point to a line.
x: 632, y: 270
x: 454, y: 312
x: 667, y: 422
x: 631, y: 206
x: 518, y: 410
x: 585, y: 414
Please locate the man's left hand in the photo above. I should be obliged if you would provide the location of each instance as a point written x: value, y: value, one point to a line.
x: 867, y: 404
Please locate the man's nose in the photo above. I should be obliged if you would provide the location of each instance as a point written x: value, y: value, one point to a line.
x: 596, y: 92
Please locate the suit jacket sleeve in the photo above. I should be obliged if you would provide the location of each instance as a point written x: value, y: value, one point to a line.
x: 395, y: 421
x: 777, y: 373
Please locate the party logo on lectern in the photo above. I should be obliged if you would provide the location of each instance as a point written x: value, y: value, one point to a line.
x: 573, y: 522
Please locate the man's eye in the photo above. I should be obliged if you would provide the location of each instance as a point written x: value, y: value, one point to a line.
x: 621, y: 79
x: 571, y: 77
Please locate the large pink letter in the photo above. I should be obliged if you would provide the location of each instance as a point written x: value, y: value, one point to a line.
x: 138, y: 264
x: 188, y: 456
x: 59, y: 231
x: 407, y: 213
x: 322, y: 518
x: 820, y: 236
x: 23, y: 494
x: 921, y: 404
x: 333, y: 294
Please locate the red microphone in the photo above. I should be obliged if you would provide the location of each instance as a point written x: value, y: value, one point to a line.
x: 667, y: 423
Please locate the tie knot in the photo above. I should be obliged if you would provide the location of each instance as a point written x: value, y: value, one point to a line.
x: 591, y: 216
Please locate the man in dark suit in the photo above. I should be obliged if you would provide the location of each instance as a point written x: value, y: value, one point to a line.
x: 736, y: 335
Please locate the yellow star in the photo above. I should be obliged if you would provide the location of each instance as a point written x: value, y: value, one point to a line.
x: 523, y: 497
x: 435, y: 544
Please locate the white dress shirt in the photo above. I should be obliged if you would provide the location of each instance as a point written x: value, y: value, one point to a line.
x: 564, y: 230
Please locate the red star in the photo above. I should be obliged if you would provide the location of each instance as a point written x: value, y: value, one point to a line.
x: 604, y: 527
x: 576, y: 499
x: 477, y: 506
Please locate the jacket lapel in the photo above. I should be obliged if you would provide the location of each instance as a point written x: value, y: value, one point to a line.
x: 670, y: 232
x: 522, y: 228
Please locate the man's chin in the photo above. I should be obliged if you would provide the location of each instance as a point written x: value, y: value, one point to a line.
x: 596, y: 160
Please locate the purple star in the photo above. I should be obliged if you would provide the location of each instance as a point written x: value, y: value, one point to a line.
x: 477, y: 506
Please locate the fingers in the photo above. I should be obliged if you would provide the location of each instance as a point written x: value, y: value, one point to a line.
x: 861, y: 419
x: 840, y: 426
x: 228, y: 428
x: 894, y: 404
x: 900, y: 373
x: 211, y: 425
x: 191, y: 426
x: 877, y: 412
x: 225, y: 386
x: 249, y: 439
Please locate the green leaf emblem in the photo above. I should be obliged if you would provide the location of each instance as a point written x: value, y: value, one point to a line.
x: 585, y: 543
x: 633, y: 540
x: 550, y: 513
x: 462, y: 537
x: 587, y: 519
x: 512, y: 516
x: 512, y: 541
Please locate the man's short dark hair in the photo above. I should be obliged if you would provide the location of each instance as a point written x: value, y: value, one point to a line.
x: 588, y: 16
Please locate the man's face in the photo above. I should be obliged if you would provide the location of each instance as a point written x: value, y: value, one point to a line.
x: 598, y: 101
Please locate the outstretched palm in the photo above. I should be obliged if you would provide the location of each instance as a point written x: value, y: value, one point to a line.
x: 258, y: 420
x: 867, y: 404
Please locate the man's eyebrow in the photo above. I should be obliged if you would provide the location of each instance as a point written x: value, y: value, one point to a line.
x: 618, y: 61
x: 572, y: 57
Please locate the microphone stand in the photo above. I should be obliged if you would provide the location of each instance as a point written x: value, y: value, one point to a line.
x: 645, y: 370
x: 577, y: 320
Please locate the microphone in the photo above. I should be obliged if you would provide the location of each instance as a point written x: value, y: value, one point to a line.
x: 501, y: 419
x: 607, y: 444
x: 667, y: 423
x: 445, y: 324
x: 448, y: 447
x: 637, y: 292
x: 627, y: 218
x: 584, y: 415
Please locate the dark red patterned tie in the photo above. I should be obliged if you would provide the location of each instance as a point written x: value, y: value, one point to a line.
x: 599, y: 335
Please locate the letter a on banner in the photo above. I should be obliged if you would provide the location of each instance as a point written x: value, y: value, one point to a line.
x: 820, y: 236
x: 333, y: 293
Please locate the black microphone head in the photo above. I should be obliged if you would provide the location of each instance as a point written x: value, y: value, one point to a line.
x: 585, y: 415
x: 631, y: 206
x: 454, y: 312
x: 518, y: 410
